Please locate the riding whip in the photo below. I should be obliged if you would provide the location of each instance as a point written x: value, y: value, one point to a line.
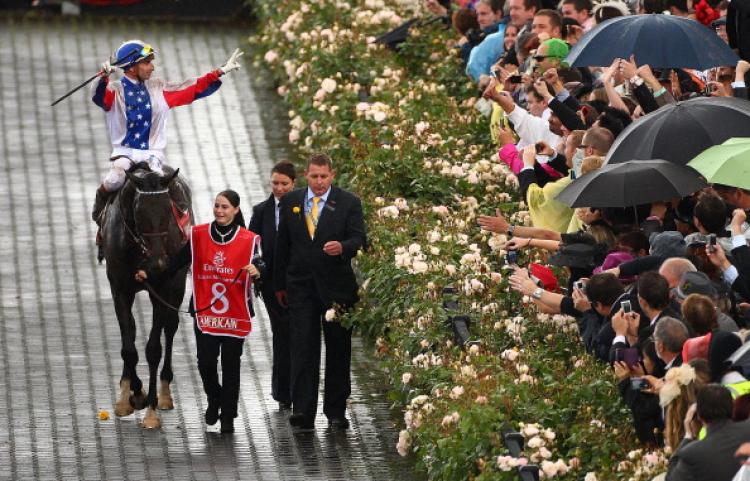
x: 116, y: 64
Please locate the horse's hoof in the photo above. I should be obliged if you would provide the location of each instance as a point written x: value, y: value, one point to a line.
x: 123, y: 409
x: 138, y: 401
x: 165, y: 396
x: 151, y: 420
x: 165, y: 403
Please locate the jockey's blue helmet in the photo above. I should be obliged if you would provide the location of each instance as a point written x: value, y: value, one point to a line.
x: 132, y: 52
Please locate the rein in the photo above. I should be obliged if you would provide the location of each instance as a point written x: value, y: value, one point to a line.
x: 153, y: 292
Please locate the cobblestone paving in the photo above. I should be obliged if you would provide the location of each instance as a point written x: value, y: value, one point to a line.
x: 59, y: 340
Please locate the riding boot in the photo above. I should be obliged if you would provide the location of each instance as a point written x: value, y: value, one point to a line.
x: 102, y: 195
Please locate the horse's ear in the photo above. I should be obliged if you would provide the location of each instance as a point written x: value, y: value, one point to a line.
x: 165, y: 181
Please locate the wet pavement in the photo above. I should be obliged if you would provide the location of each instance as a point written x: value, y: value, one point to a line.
x: 59, y: 339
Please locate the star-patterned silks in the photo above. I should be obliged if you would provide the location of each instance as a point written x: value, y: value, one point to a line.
x: 138, y: 109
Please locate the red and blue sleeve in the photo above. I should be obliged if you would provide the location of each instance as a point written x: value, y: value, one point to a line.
x: 103, y: 97
x: 202, y: 87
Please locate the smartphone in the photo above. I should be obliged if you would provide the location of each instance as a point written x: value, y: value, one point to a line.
x: 515, y: 79
x: 626, y: 307
x: 638, y: 383
x: 580, y: 285
x: 511, y: 257
x: 711, y: 242
x: 493, y: 74
x: 628, y: 355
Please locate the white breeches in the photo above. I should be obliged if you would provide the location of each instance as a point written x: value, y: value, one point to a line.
x: 115, y: 178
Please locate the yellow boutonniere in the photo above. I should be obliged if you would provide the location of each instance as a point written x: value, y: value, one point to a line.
x: 295, y: 209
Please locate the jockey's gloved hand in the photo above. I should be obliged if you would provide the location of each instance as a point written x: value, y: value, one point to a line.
x: 233, y: 62
x: 107, y: 69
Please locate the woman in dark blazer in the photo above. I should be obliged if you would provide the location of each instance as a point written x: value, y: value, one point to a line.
x: 265, y: 221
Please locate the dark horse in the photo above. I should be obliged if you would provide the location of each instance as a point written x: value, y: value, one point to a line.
x: 141, y: 231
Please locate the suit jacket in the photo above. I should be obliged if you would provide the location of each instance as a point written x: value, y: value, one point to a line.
x: 263, y: 222
x: 710, y: 459
x: 300, y: 263
x: 738, y: 27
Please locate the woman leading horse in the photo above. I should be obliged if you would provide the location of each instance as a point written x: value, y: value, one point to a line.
x: 222, y: 255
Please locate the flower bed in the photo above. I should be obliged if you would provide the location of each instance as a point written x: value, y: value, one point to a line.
x: 404, y: 135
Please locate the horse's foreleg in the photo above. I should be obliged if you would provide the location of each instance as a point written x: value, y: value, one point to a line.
x: 128, y: 352
x: 153, y: 356
x: 170, y: 328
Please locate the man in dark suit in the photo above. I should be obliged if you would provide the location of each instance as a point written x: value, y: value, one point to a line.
x: 321, y: 229
x: 265, y: 221
x: 712, y: 458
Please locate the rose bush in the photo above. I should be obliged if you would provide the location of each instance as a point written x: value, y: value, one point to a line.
x: 404, y: 135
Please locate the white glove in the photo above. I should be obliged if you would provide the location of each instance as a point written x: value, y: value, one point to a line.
x: 107, y: 68
x: 232, y: 63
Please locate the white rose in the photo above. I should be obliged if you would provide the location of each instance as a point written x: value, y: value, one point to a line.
x: 379, y: 116
x: 328, y: 84
x: 404, y: 442
x: 406, y: 378
x: 457, y: 392
x: 294, y: 136
x: 420, y: 267
x: 330, y: 315
x: 549, y: 469
x: 447, y: 420
x: 319, y: 95
x: 535, y: 443
x: 270, y: 56
x: 415, y: 248
x: 529, y: 430
x: 590, y: 477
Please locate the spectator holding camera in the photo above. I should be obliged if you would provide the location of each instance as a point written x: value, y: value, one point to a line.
x: 630, y: 328
x: 735, y: 273
x: 644, y: 406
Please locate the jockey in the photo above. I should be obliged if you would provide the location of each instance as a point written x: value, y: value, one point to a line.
x: 137, y: 108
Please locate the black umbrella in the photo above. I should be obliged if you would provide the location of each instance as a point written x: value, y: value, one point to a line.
x: 679, y: 132
x: 631, y: 183
x: 661, y: 41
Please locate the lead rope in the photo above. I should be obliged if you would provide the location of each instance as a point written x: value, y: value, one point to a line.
x: 153, y: 292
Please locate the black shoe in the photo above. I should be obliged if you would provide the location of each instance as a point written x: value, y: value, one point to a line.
x: 338, y: 423
x: 212, y: 415
x: 227, y: 425
x: 285, y: 405
x: 301, y: 421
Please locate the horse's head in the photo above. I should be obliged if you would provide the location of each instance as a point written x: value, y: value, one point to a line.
x: 152, y: 216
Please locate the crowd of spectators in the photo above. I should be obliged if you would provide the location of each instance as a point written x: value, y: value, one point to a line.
x: 660, y: 291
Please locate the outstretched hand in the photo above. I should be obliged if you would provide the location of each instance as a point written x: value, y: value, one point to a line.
x: 496, y: 223
x: 233, y: 62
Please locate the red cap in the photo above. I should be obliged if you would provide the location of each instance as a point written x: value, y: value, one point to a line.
x: 545, y: 276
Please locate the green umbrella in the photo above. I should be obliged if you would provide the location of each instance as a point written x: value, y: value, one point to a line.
x: 728, y: 163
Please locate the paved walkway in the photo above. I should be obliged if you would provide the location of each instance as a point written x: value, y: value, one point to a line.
x: 59, y: 340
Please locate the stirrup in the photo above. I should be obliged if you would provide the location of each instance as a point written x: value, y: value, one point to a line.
x: 99, y: 246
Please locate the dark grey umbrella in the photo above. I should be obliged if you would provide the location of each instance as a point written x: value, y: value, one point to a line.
x: 679, y: 132
x: 660, y: 41
x: 631, y: 183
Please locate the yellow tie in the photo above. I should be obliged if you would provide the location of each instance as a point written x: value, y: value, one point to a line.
x: 312, y: 217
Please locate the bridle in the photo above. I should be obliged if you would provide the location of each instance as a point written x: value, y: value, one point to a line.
x: 139, y: 237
